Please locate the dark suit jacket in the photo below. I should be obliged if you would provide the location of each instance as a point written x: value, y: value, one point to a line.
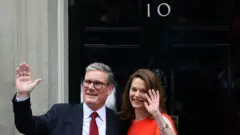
x: 61, y: 119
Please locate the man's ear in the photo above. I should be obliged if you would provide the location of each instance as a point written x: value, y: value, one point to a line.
x: 110, y: 89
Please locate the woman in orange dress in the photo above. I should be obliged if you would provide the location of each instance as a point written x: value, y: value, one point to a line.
x: 144, y: 106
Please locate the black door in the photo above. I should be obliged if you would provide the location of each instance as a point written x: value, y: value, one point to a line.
x: 195, y: 46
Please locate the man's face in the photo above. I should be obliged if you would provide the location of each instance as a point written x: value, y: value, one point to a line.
x: 96, y: 89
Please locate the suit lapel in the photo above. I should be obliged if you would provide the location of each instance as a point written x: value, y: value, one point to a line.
x: 110, y: 123
x: 78, y: 120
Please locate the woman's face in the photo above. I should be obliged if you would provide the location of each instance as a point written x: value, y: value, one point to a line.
x: 136, y: 93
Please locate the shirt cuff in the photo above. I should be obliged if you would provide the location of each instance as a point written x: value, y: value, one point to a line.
x: 21, y: 99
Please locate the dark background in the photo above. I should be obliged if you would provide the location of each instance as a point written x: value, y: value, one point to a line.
x: 196, y: 48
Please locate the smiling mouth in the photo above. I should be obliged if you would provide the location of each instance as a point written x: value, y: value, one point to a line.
x: 93, y: 95
x: 136, y: 100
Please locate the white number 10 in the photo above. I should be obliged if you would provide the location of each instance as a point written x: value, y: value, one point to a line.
x: 159, y: 10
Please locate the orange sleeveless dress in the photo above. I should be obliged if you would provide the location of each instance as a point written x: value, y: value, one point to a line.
x: 148, y: 127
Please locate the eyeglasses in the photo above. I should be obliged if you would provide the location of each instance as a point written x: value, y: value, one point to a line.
x: 96, y: 84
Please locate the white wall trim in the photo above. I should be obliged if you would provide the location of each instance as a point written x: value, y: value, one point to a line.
x: 62, y: 41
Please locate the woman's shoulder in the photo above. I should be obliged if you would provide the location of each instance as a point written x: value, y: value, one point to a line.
x: 167, y: 116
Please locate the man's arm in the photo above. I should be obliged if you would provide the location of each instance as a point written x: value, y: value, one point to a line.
x: 25, y: 122
x: 28, y: 124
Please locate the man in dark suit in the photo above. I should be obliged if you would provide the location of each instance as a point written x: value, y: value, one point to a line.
x: 89, y: 118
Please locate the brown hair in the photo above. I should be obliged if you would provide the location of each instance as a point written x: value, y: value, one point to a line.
x: 152, y: 82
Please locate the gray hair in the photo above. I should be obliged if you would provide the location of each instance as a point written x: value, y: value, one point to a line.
x: 102, y: 67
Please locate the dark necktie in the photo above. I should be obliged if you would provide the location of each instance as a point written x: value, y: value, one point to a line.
x: 93, y: 125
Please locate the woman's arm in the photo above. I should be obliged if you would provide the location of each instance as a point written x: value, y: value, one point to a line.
x: 152, y: 106
x: 164, y: 125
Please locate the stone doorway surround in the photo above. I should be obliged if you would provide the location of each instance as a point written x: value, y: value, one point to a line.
x: 36, y: 32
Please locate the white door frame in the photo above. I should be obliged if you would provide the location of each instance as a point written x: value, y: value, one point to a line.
x: 58, y: 51
x: 62, y: 36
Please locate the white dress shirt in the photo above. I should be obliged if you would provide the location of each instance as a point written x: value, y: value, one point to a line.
x: 100, y: 120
